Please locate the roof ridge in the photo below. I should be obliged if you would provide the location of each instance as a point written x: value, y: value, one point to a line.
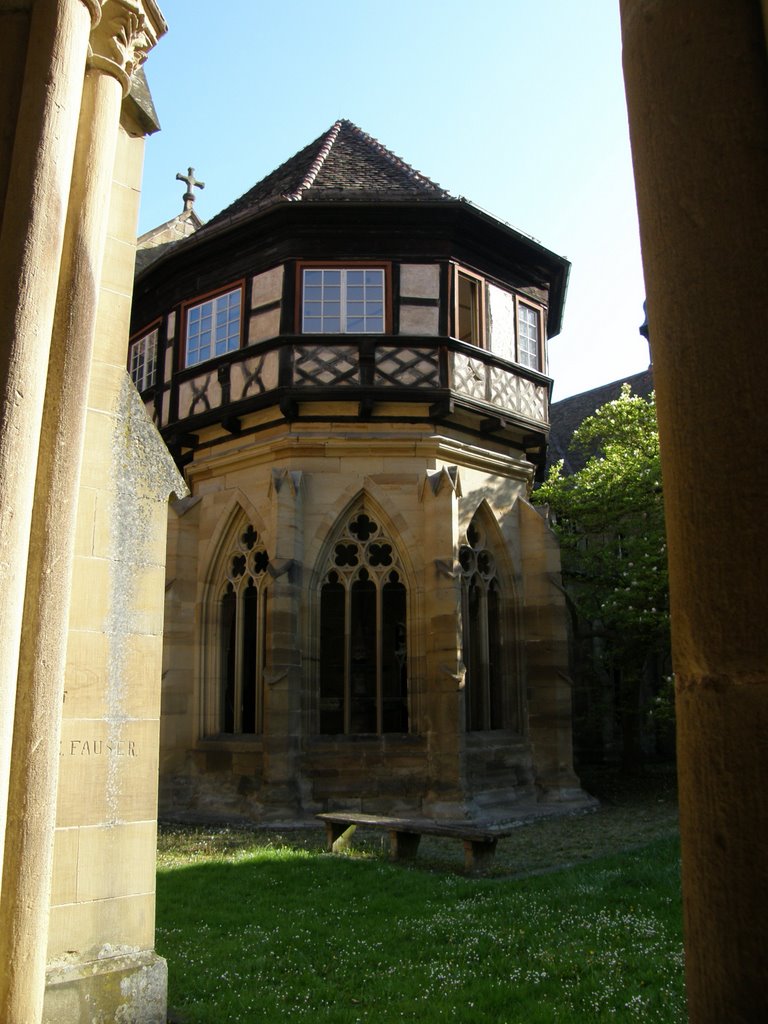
x: 317, y: 164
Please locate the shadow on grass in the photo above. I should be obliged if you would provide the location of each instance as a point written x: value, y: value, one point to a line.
x: 285, y: 934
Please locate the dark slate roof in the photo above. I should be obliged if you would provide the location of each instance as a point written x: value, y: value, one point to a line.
x: 566, y: 415
x: 342, y: 163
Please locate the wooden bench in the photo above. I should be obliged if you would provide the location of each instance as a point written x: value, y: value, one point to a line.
x: 405, y: 833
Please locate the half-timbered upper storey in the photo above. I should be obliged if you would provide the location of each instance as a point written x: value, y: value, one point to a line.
x: 347, y: 277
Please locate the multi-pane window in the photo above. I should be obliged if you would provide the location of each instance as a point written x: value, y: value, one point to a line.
x: 363, y: 649
x: 343, y: 301
x: 241, y: 625
x: 143, y: 361
x: 213, y: 327
x: 482, y: 634
x: 528, y: 348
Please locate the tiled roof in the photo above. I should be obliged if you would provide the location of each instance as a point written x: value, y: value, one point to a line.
x: 343, y: 163
x: 566, y: 415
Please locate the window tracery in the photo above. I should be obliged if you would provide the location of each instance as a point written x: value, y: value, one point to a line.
x: 242, y: 627
x: 363, y: 633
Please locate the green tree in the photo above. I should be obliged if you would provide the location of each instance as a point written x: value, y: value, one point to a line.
x: 609, y: 517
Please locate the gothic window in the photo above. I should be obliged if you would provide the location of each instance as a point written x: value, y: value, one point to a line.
x: 213, y: 327
x: 343, y: 300
x: 488, y: 702
x: 363, y: 649
x: 142, y: 361
x: 241, y: 624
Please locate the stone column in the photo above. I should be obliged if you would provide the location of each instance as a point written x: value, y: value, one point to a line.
x: 31, y: 240
x: 545, y: 636
x: 697, y: 93
x: 283, y: 674
x: 116, y: 43
x: 441, y: 711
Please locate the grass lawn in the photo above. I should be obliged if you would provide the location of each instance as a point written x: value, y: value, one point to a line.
x: 265, y: 926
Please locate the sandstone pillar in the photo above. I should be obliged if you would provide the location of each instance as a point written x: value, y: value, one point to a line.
x: 441, y: 711
x: 35, y: 752
x: 31, y: 239
x: 545, y: 633
x: 283, y: 675
x: 697, y: 92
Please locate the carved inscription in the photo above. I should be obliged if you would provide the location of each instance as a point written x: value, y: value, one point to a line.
x: 98, y: 748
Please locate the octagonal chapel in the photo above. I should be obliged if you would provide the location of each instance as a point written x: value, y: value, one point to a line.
x: 363, y: 610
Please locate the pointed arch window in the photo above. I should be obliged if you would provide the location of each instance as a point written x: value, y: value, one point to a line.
x: 490, y: 702
x: 241, y: 624
x: 363, y: 634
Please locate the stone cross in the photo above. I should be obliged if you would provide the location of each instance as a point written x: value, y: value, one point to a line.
x: 192, y: 182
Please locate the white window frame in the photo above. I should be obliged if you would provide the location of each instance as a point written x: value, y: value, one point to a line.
x: 524, y: 356
x: 223, y: 330
x: 142, y: 360
x: 344, y: 301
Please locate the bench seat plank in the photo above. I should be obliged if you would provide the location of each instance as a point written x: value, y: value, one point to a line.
x: 404, y: 834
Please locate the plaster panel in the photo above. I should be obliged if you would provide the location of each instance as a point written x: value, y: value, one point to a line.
x: 263, y: 325
x: 419, y: 320
x: 200, y: 394
x: 254, y: 376
x: 420, y: 280
x: 501, y: 320
x: 267, y: 287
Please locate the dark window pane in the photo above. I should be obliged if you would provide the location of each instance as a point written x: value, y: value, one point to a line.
x: 332, y: 649
x: 473, y: 647
x: 227, y: 629
x: 495, y: 667
x: 249, y: 637
x: 363, y: 658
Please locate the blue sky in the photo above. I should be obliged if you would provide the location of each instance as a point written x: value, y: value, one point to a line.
x: 517, y: 105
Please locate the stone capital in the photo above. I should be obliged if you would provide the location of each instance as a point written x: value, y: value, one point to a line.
x: 94, y: 9
x: 123, y: 36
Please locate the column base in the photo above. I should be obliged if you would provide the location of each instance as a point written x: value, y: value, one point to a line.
x: 131, y: 988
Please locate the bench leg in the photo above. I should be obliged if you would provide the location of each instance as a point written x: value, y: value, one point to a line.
x: 403, y: 845
x: 478, y: 854
x: 333, y: 830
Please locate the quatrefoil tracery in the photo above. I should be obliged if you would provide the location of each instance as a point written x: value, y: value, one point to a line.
x: 250, y: 558
x: 363, y: 552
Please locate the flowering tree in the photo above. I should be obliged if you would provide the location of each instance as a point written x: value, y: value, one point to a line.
x: 610, y: 520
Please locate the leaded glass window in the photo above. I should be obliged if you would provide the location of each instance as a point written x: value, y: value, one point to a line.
x: 143, y: 361
x: 528, y: 347
x: 242, y: 622
x: 213, y: 327
x: 343, y: 301
x: 363, y: 633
